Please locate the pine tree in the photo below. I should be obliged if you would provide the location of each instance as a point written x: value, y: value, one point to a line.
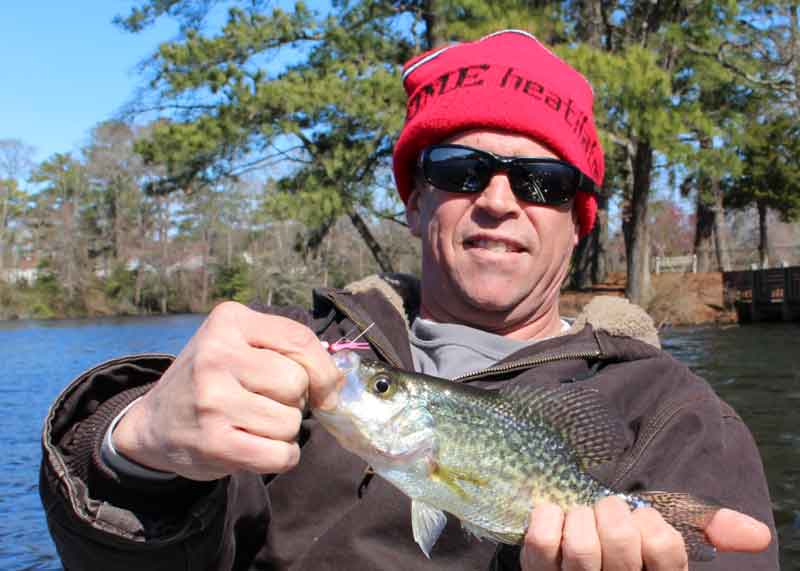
x: 770, y: 177
x: 321, y: 125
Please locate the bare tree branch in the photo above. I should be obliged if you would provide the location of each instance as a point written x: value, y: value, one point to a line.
x: 719, y: 56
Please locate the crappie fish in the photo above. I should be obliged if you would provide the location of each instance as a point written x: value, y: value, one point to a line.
x: 488, y: 457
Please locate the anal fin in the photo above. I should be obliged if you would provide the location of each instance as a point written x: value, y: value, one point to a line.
x: 427, y: 523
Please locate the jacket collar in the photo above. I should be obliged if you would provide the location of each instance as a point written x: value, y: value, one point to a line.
x: 395, y: 298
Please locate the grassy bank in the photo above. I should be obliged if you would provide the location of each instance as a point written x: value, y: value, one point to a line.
x: 677, y: 299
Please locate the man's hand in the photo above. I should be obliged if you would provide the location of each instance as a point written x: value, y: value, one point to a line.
x: 611, y: 537
x: 232, y: 400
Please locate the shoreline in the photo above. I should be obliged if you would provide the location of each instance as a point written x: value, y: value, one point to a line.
x: 676, y: 298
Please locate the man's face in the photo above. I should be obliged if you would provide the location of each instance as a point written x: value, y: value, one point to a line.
x: 488, y: 259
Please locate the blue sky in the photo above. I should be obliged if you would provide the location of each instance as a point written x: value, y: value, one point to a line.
x: 65, y: 68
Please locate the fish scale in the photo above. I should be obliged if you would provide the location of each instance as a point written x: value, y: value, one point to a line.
x: 488, y: 457
x: 512, y: 450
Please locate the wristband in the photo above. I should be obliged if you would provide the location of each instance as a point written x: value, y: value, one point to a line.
x: 121, y: 465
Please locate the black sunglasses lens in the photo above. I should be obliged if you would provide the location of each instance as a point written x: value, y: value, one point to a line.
x: 544, y: 183
x: 461, y: 169
x: 456, y: 170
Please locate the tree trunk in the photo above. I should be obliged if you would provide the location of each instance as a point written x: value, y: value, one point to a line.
x: 703, y: 233
x: 67, y: 262
x: 434, y: 26
x: 582, y: 263
x: 600, y: 231
x: 137, y: 288
x: 763, y: 242
x: 588, y: 262
x: 594, y: 23
x: 638, y: 288
x: 205, y: 272
x: 384, y: 263
x: 596, y: 31
x: 795, y: 39
x: 7, y: 189
x: 720, y: 230
x: 326, y: 258
x: 163, y: 236
x: 115, y: 213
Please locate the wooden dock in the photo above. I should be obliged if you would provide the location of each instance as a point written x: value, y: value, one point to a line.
x: 763, y: 295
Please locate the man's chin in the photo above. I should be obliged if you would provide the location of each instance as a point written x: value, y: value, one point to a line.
x: 491, y: 302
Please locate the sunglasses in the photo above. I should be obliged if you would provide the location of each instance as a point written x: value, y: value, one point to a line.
x: 456, y: 168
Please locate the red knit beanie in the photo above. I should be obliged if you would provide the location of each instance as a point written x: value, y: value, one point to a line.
x: 506, y: 81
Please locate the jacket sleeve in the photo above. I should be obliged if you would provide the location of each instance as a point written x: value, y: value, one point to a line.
x: 98, y: 521
x: 698, y: 444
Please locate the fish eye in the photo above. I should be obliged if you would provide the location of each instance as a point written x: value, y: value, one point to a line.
x: 382, y: 385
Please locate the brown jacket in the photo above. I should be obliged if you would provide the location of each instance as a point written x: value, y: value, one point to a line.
x: 679, y: 436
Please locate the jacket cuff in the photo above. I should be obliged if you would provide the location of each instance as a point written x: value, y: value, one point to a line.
x: 120, y: 465
x: 77, y: 484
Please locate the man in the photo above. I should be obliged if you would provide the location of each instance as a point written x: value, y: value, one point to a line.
x: 206, y: 461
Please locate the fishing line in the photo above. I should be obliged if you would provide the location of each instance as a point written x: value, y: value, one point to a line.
x: 343, y: 343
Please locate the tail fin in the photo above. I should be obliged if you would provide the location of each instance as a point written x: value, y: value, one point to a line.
x: 690, y: 516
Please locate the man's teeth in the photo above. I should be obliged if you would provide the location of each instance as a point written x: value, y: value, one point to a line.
x: 493, y: 246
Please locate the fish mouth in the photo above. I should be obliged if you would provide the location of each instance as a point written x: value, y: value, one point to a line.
x: 421, y: 450
x: 382, y: 459
x: 354, y: 436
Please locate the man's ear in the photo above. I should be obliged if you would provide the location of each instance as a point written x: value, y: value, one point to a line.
x: 412, y: 213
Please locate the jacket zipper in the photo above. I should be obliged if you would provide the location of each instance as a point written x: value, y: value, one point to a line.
x: 495, y: 370
x: 527, y: 363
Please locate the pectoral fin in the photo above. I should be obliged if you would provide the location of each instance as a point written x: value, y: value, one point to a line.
x: 452, y: 478
x: 427, y: 523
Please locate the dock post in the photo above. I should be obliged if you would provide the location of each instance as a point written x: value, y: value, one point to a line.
x: 755, y: 314
x: 790, y: 308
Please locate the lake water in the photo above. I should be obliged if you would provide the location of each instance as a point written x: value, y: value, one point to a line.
x: 37, y: 359
x: 755, y: 368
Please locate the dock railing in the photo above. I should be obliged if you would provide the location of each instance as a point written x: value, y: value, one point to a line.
x: 676, y: 264
x: 759, y: 295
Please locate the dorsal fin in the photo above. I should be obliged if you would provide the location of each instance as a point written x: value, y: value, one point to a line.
x: 580, y: 415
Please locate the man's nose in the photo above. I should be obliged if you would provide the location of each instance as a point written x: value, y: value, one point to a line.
x: 497, y: 199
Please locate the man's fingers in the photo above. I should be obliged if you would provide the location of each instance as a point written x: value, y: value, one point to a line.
x: 580, y: 548
x: 289, y: 338
x: 542, y: 548
x: 265, y: 417
x: 273, y: 376
x: 734, y: 531
x: 262, y: 455
x: 619, y: 535
x: 662, y: 546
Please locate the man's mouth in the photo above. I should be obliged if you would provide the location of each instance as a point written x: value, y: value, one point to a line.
x: 493, y: 245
